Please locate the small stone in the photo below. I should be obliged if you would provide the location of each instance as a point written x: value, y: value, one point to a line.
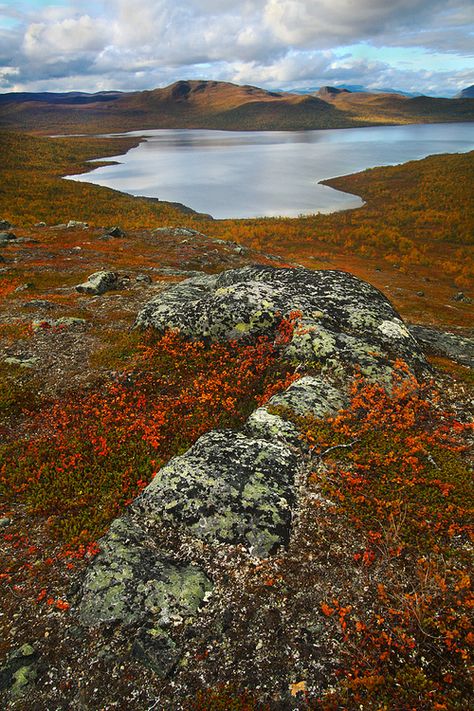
x: 461, y: 296
x: 143, y: 279
x: 98, y: 283
x: 77, y: 224
x: 115, y: 232
x: 420, y: 293
x: 4, y: 522
x: 23, y: 677
x: 40, y: 224
x: 5, y: 225
x: 7, y: 236
x: 25, y: 287
x: 39, y: 304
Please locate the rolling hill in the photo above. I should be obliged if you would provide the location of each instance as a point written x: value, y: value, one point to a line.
x: 221, y: 105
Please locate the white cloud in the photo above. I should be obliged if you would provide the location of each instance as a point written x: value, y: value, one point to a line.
x: 144, y: 43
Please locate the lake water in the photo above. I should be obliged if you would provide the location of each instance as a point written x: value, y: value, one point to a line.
x: 240, y: 174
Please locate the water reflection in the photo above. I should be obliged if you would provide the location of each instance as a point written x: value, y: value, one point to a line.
x: 254, y: 173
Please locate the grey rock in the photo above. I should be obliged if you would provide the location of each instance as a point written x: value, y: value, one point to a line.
x: 310, y: 396
x: 461, y: 296
x: 23, y: 678
x: 40, y: 224
x: 23, y: 361
x: 63, y: 322
x: 25, y: 287
x: 131, y: 581
x: 265, y: 425
x: 2, y: 259
x: 114, y: 232
x: 345, y: 321
x: 99, y: 283
x: 450, y: 345
x: 39, y: 304
x: 7, y: 236
x: 18, y: 671
x: 143, y: 279
x: 178, y: 231
x: 77, y: 224
x: 226, y: 488
x: 5, y: 225
x: 4, y: 522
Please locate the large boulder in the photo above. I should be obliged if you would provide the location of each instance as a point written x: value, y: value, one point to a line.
x: 228, y: 488
x: 344, y: 320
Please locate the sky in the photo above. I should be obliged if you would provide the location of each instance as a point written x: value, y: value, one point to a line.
x: 420, y: 46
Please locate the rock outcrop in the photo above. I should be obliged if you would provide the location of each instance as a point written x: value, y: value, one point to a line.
x: 236, y: 490
x: 344, y: 321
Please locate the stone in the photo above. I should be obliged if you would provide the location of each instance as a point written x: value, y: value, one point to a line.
x: 345, y: 323
x: 77, y: 224
x: 99, y: 283
x: 7, y: 236
x: 227, y: 488
x: 5, y: 225
x: 114, y: 232
x: 450, y: 345
x: 461, y: 296
x: 63, y: 322
x: 143, y: 279
x: 40, y: 224
x: 39, y: 304
x: 132, y: 581
x: 22, y: 361
x: 4, y: 522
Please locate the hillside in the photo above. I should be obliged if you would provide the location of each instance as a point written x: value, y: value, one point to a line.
x: 228, y: 481
x: 221, y: 105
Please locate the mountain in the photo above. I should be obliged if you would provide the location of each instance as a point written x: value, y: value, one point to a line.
x: 221, y: 105
x: 70, y: 97
x: 467, y: 93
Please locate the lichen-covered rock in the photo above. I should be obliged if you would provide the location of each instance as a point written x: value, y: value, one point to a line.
x: 131, y: 581
x: 344, y: 320
x: 98, y: 283
x: 227, y: 488
x: 77, y: 225
x: 311, y: 395
x: 450, y: 345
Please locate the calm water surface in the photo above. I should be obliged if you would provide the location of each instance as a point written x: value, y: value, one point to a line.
x: 249, y: 174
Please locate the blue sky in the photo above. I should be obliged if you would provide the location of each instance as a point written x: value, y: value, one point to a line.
x: 424, y: 46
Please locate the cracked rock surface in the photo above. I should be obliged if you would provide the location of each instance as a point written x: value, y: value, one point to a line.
x: 344, y: 321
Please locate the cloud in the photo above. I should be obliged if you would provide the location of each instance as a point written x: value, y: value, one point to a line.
x: 141, y: 44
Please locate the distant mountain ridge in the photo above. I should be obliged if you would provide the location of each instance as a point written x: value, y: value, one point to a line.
x: 467, y: 93
x: 221, y: 105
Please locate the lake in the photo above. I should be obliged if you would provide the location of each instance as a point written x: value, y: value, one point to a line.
x: 238, y: 174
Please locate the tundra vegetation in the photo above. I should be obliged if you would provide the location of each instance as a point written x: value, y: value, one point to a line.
x: 90, y: 410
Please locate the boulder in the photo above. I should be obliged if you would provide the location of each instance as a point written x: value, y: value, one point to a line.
x: 443, y: 343
x: 344, y: 323
x: 227, y: 488
x: 98, y: 283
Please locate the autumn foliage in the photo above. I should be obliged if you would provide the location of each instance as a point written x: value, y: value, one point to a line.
x: 392, y: 464
x: 81, y: 461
